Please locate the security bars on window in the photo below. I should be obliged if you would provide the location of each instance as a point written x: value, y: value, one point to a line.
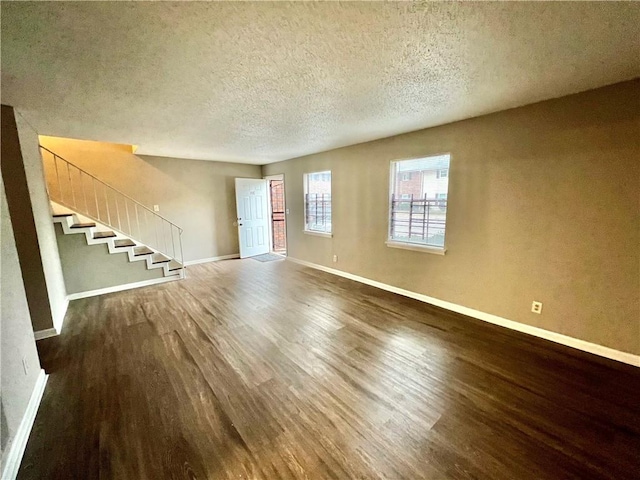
x: 418, y: 220
x: 318, y: 212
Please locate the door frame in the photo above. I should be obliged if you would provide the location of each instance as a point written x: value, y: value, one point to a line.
x: 268, y: 178
x: 265, y: 184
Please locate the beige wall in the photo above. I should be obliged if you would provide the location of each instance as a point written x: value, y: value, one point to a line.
x: 92, y: 267
x: 17, y: 342
x: 543, y: 205
x: 196, y: 195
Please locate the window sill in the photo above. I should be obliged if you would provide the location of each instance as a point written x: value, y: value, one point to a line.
x: 416, y: 247
x: 318, y: 234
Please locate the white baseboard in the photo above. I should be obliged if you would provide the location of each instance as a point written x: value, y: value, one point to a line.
x: 120, y: 288
x: 42, y: 334
x: 212, y: 259
x: 52, y: 332
x: 58, y: 322
x: 19, y: 443
x: 576, y: 343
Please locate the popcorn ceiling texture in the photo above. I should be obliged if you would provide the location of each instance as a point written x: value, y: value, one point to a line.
x: 259, y: 82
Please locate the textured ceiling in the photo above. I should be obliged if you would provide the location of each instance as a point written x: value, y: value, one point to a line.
x: 261, y: 82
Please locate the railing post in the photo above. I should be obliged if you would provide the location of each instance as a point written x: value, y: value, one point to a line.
x: 118, y: 214
x: 55, y: 163
x: 184, y: 268
x: 106, y: 202
x: 173, y: 244
x: 146, y: 226
x: 155, y: 228
x: 135, y: 207
x: 84, y: 192
x: 95, y: 196
x: 126, y: 208
x: 73, y: 193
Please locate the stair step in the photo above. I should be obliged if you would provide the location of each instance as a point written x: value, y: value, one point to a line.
x: 83, y: 225
x: 107, y: 234
x: 125, y: 242
x: 61, y: 215
x: 159, y: 258
x: 173, y: 266
x: 138, y: 251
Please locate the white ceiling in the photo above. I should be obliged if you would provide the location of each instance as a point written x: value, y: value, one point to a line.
x: 259, y: 82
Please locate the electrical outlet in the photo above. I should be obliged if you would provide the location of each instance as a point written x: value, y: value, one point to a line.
x: 536, y: 307
x: 335, y: 259
x: 287, y: 210
x: 25, y: 365
x: 156, y: 208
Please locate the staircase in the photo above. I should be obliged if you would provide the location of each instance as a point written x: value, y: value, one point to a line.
x: 84, y: 204
x: 97, y: 234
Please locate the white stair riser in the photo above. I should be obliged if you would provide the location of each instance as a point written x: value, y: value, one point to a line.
x: 88, y: 232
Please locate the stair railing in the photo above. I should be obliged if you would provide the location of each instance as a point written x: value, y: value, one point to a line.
x: 75, y: 188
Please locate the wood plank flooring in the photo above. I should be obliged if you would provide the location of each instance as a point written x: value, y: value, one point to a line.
x: 250, y: 370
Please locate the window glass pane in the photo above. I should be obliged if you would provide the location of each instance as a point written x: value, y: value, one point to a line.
x: 418, y: 204
x: 317, y: 202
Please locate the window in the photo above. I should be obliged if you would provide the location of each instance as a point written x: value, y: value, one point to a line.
x: 419, y: 217
x: 317, y: 202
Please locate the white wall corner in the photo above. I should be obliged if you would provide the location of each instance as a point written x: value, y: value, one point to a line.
x: 37, y: 186
x: 576, y: 343
x: 58, y: 318
x: 19, y: 442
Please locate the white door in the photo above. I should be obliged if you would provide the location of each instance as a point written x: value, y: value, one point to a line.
x: 253, y: 221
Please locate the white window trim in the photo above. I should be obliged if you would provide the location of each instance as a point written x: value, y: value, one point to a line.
x: 318, y: 234
x: 304, y: 204
x: 417, y: 247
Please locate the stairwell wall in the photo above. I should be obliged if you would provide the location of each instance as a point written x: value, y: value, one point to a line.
x: 197, y: 195
x: 92, y: 267
x: 31, y: 216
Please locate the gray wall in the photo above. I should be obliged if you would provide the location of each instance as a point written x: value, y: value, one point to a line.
x: 543, y: 205
x: 16, y: 339
x: 29, y: 208
x: 42, y: 216
x: 197, y: 195
x: 92, y: 267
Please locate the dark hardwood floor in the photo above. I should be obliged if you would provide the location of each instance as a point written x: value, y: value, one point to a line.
x: 271, y: 370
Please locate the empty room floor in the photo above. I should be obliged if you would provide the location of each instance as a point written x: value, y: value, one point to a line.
x: 250, y: 370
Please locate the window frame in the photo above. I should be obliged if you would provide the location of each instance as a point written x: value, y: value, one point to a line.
x: 406, y: 245
x: 305, y: 192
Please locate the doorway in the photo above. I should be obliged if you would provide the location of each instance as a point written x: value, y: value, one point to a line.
x: 277, y: 215
x: 252, y: 198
